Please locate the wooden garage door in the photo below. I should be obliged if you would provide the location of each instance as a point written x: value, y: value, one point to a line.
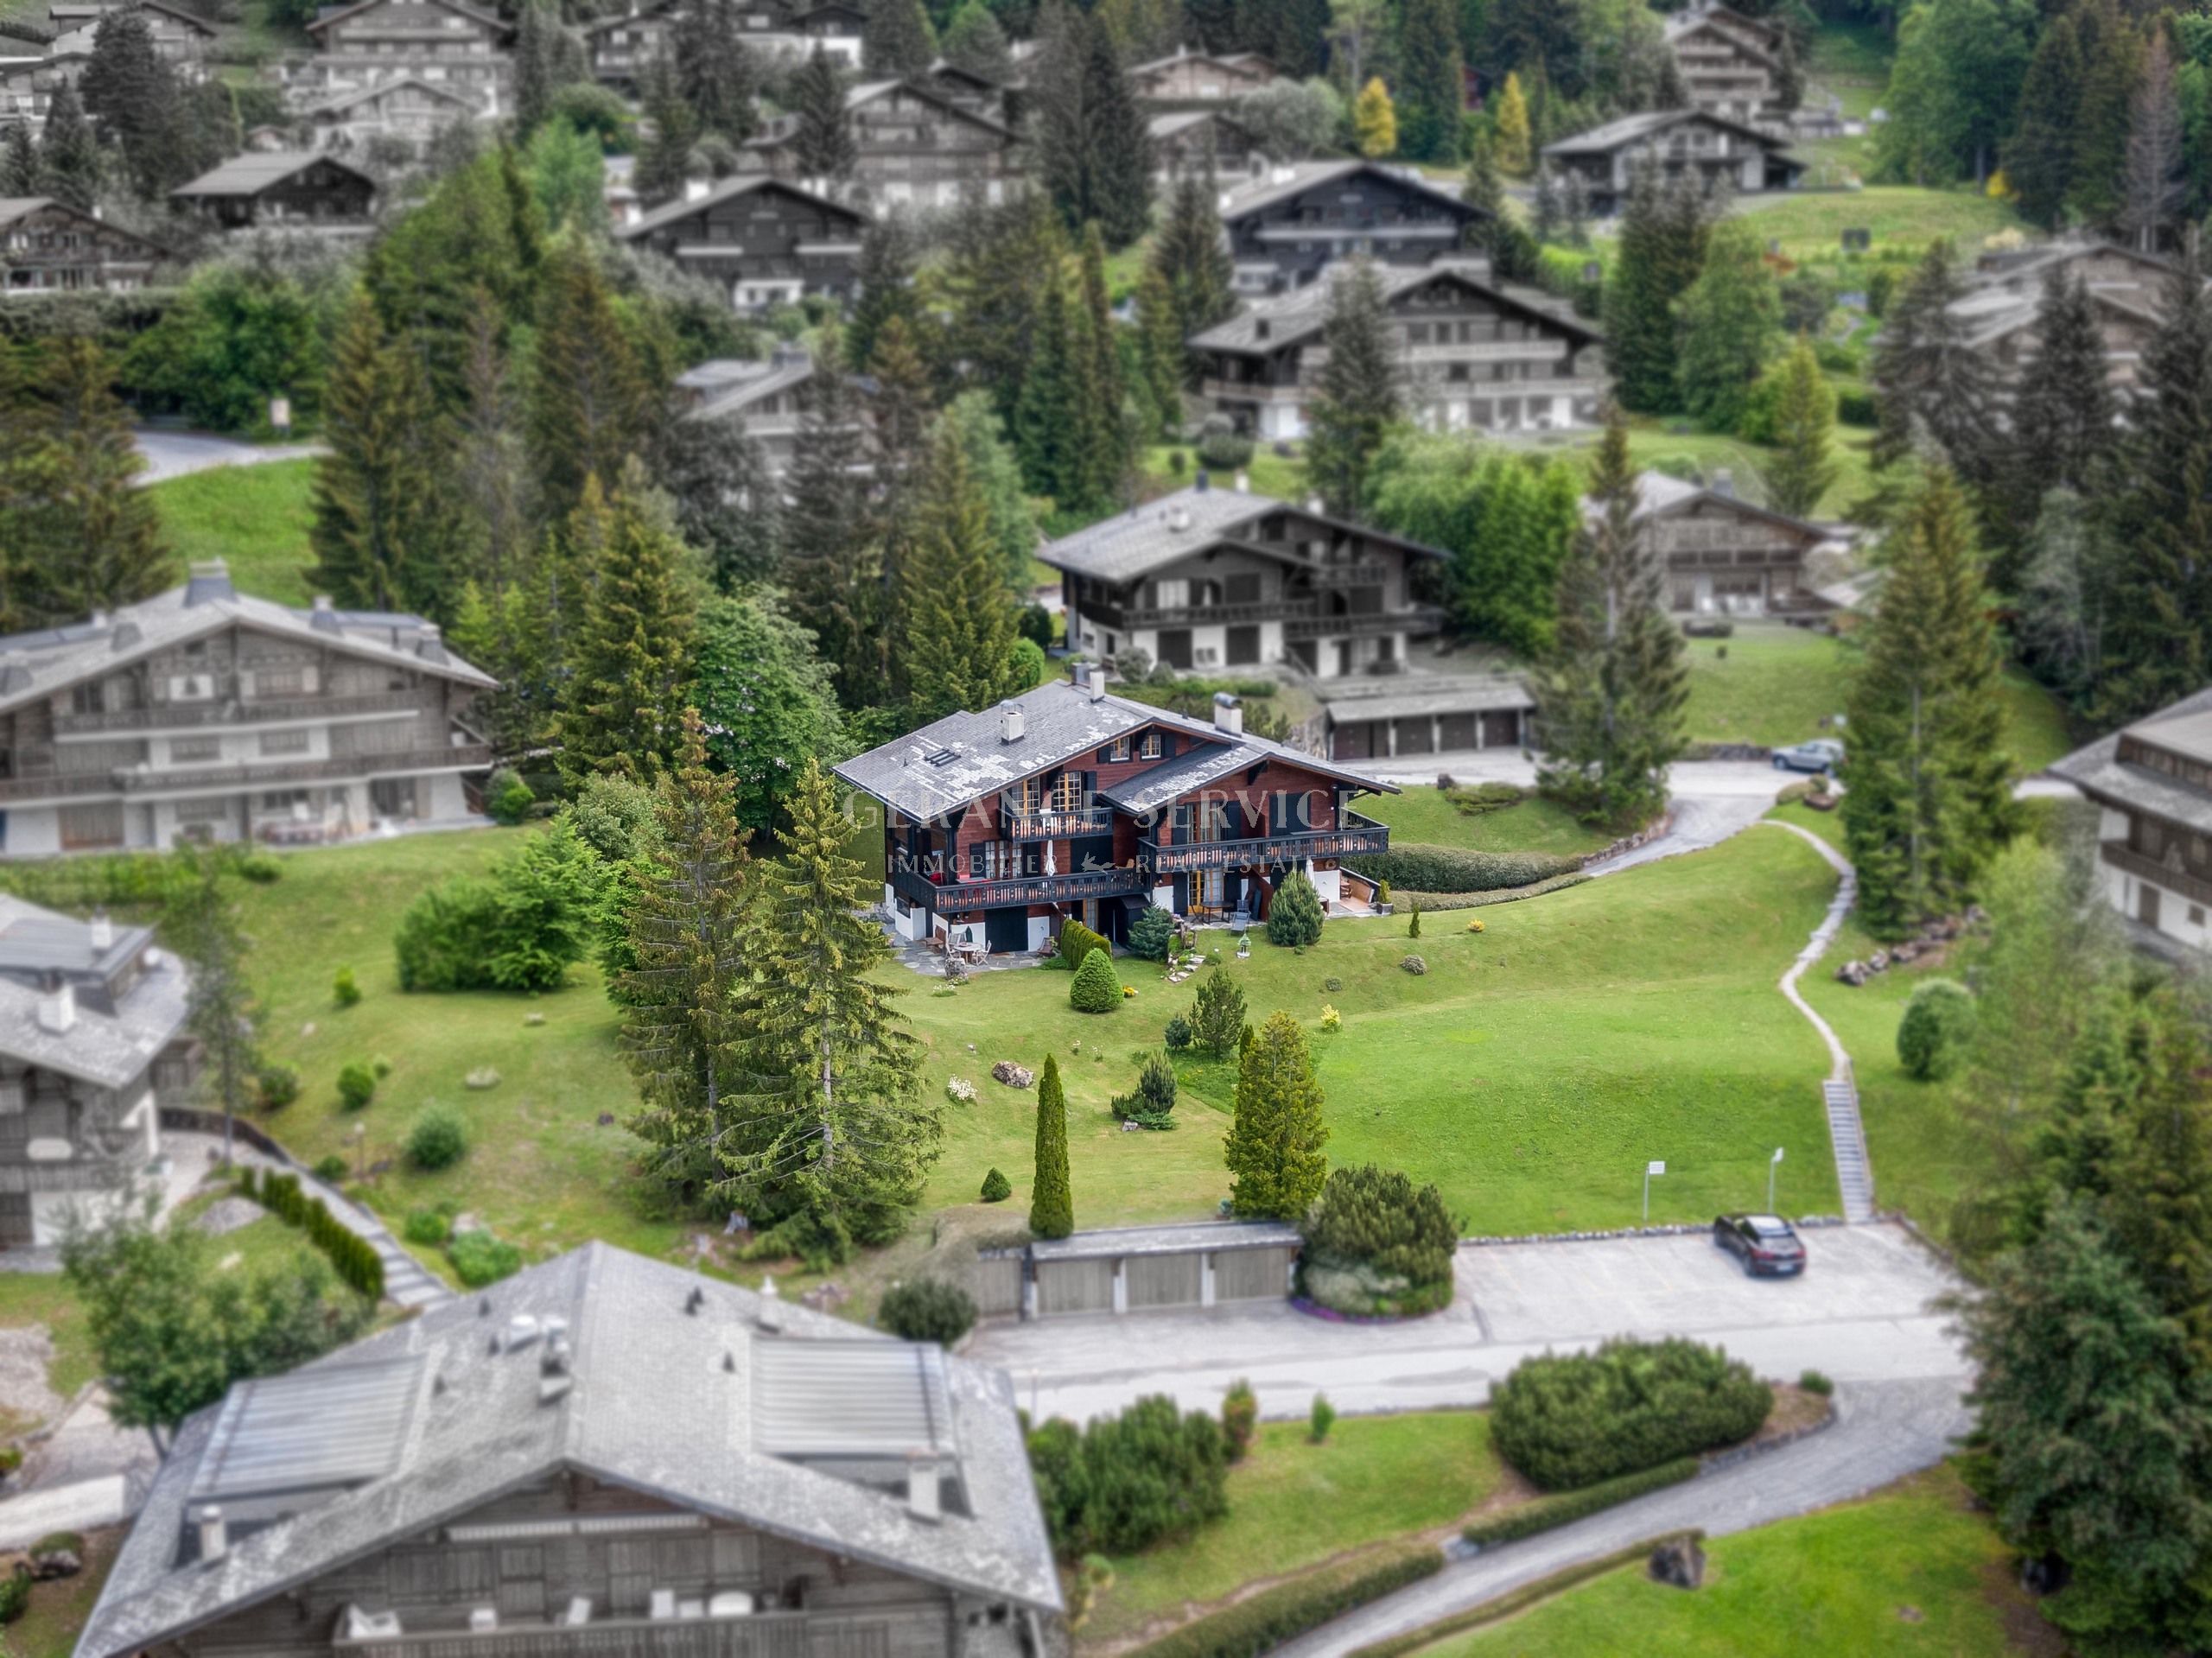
x: 995, y: 1283
x: 1502, y: 729
x: 1243, y: 647
x: 1352, y: 742
x: 1164, y: 1280
x: 1459, y: 730
x: 1074, y: 1286
x: 1252, y: 1274
x: 1413, y: 736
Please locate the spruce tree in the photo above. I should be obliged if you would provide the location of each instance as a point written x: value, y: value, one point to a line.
x: 92, y: 538
x: 1095, y: 155
x: 19, y: 173
x: 1929, y: 802
x: 954, y: 647
x: 1274, y: 1143
x: 681, y: 1021
x: 68, y: 154
x: 1513, y: 255
x: 888, y: 261
x: 1358, y: 398
x: 1731, y: 319
x: 715, y: 69
x: 2039, y: 159
x: 1804, y: 435
x: 1051, y: 1205
x: 2064, y: 421
x: 975, y: 41
x: 1931, y: 383
x: 1002, y: 263
x: 664, y: 162
x: 1043, y: 421
x: 832, y: 1137
x: 2112, y: 56
x: 1191, y: 257
x: 547, y: 58
x: 1429, y: 79
x: 727, y: 507
x: 200, y: 921
x: 2155, y: 186
x: 1161, y: 361
x: 1662, y: 253
x: 1105, y: 455
x: 128, y: 89
x: 1611, y: 691
x: 823, y: 143
x: 590, y: 405
x: 833, y: 562
x: 896, y: 40
x: 632, y: 655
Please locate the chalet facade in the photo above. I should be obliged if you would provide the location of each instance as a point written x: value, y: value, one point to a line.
x: 1286, y: 228
x: 449, y: 45
x: 1473, y: 355
x: 92, y: 1044
x: 1731, y: 65
x: 285, y: 190
x: 600, y: 1455
x: 180, y: 39
x: 1212, y: 579
x: 977, y: 94
x: 1204, y: 144
x: 2151, y: 783
x: 1713, y: 148
x: 410, y: 110
x: 47, y: 246
x: 1068, y: 802
x: 204, y: 714
x: 764, y: 395
x: 2127, y: 291
x: 1722, y: 557
x: 763, y: 241
x: 621, y: 47
x: 916, y: 148
x: 1199, y: 78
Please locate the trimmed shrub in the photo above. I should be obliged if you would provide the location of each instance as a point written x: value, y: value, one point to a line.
x: 1816, y: 1382
x: 1125, y: 1482
x: 1240, y: 1418
x: 1545, y: 1513
x: 996, y: 1188
x: 1151, y: 933
x: 1177, y: 1034
x: 1095, y: 990
x: 928, y: 1310
x: 1412, y: 921
x: 1217, y: 1013
x: 439, y: 1138
x: 332, y: 1169
x: 1320, y: 1418
x: 344, y: 991
x: 1153, y: 1104
x: 1294, y: 912
x: 1375, y: 1245
x: 507, y: 798
x: 429, y: 1227
x: 480, y: 1259
x: 1938, y: 1023
x: 1455, y: 869
x: 14, y: 1594
x: 1263, y: 1621
x: 1077, y: 942
x: 278, y: 1086
x: 60, y: 1542
x: 1571, y: 1420
x: 357, y: 1086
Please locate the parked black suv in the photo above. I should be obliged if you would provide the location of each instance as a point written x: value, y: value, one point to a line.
x: 1764, y: 1242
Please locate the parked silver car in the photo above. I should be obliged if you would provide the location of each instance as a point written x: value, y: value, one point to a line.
x: 1822, y: 754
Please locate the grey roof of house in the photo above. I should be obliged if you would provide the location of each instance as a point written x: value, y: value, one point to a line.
x: 1132, y: 544
x: 1630, y: 129
x: 346, y: 100
x: 249, y: 174
x: 952, y: 762
x: 2185, y: 727
x: 1681, y: 22
x: 1167, y: 1239
x: 1243, y: 200
x: 1180, y: 121
x: 1226, y: 60
x: 732, y: 393
x: 850, y: 1399
x: 14, y: 207
x: 107, y: 1049
x: 1656, y: 493
x: 740, y: 184
x: 35, y: 666
x: 453, y: 6
x: 310, y: 1429
x: 1304, y: 312
x: 661, y: 1400
x: 1194, y: 770
x: 1415, y: 696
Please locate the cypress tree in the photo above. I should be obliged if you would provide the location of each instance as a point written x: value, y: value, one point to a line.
x: 1662, y: 252
x: 68, y: 154
x: 1931, y: 383
x: 1613, y: 688
x: 715, y: 70
x: 1805, y: 430
x: 1929, y: 802
x: 631, y: 655
x: 18, y: 160
x: 2039, y: 159
x: 681, y: 1023
x: 832, y: 563
x: 2064, y: 423
x: 1273, y: 1150
x: 1095, y: 155
x: 1429, y: 81
x: 1051, y: 1205
x: 822, y: 142
x: 590, y: 406
x: 896, y: 40
x: 93, y: 539
x: 1356, y: 396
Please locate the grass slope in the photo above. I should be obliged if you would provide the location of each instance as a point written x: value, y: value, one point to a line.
x: 1809, y: 225
x: 256, y: 518
x: 1909, y: 1573
x: 1422, y: 816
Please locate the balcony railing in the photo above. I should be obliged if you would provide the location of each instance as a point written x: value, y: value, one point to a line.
x: 955, y: 894
x: 1060, y: 825
x: 276, y: 774
x: 1420, y: 619
x: 1356, y: 837
x: 230, y: 711
x: 761, y: 1635
x: 2193, y: 888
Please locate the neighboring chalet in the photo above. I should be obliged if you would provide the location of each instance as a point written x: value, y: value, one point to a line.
x: 2127, y: 290
x: 1285, y: 227
x: 301, y: 190
x: 977, y: 94
x: 917, y: 148
x: 1204, y: 144
x: 47, y: 246
x: 1473, y: 354
x: 205, y: 713
x: 763, y: 241
x: 1731, y: 64
x: 1191, y: 77
x: 1721, y: 555
x: 1070, y: 803
x: 764, y: 394
x: 601, y: 1456
x: 409, y: 109
x: 1214, y: 579
x: 2152, y: 783
x: 620, y: 46
x: 442, y: 41
x: 92, y: 1044
x: 1713, y: 148
x: 181, y: 39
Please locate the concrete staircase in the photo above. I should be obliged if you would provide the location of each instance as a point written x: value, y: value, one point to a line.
x: 406, y: 1282
x: 1854, y: 1175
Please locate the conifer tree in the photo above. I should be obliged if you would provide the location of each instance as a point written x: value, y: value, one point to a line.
x: 896, y: 40
x: 2064, y: 422
x: 1358, y: 398
x: 19, y: 457
x: 1544, y: 211
x: 200, y: 921
x: 1191, y: 257
x: 954, y: 644
x: 1105, y: 455
x: 1161, y: 358
x: 1044, y: 423
x: 1804, y: 431
x: 1095, y: 155
x: 1429, y: 79
x: 631, y: 654
x: 823, y: 143
x: 1051, y: 1205
x: 1929, y: 802
x: 681, y: 1021
x: 92, y: 538
x: 590, y: 406
x: 2040, y: 158
x: 1274, y: 1144
x: 728, y: 508
x: 1730, y: 318
x: 832, y: 1139
x: 1375, y: 120
x: 68, y: 154
x: 889, y: 260
x: 1662, y: 252
x: 664, y: 162
x: 2155, y: 186
x: 1613, y: 688
x: 128, y: 89
x: 1515, y: 143
x: 899, y: 414
x: 1001, y: 264
x: 18, y: 160
x: 1931, y: 384
x: 973, y: 40
x: 494, y: 528
x: 1513, y: 255
x: 832, y: 562
x: 547, y: 58
x: 715, y: 70
x: 2111, y: 55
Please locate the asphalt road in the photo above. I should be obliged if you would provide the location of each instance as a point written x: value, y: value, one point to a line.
x: 172, y: 454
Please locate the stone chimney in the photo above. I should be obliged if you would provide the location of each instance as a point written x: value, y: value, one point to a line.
x: 1228, y: 714
x: 57, y: 1005
x: 214, y: 1534
x: 1012, y: 727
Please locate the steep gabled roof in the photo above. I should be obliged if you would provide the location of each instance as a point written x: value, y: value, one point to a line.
x: 1692, y: 18
x: 453, y: 6
x: 1633, y: 128
x: 2096, y: 770
x: 1244, y: 62
x: 740, y: 184
x: 1175, y: 122
x: 346, y: 101
x: 1283, y: 183
x: 1660, y: 496
x: 1132, y: 543
x: 14, y: 207
x: 1302, y: 313
x: 250, y: 174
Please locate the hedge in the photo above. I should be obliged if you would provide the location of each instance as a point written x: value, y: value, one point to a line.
x: 1564, y: 1508
x: 1441, y: 901
x: 1307, y: 1601
x: 1453, y: 869
x: 351, y: 1256
x: 1572, y: 1420
x: 1513, y: 1601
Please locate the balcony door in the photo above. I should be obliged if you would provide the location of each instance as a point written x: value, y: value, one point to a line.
x: 2146, y: 904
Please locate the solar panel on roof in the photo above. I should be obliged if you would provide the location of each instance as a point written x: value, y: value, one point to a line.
x: 848, y: 1399
x: 344, y: 1424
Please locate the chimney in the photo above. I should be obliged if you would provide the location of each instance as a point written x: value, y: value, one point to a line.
x: 1262, y: 328
x: 1243, y: 483
x: 323, y: 616
x: 1228, y: 714
x: 430, y: 643
x: 1178, y: 520
x: 1012, y: 726
x: 210, y: 579
x: 99, y: 621
x: 696, y: 189
x: 57, y: 1005
x: 1080, y: 673
x: 924, y: 1501
x: 1313, y: 505
x: 1283, y: 176
x: 214, y: 1535
x: 103, y: 931
x: 126, y: 635
x: 1723, y: 484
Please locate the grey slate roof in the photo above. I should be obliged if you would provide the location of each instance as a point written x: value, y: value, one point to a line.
x: 2097, y: 771
x: 1167, y: 1239
x: 107, y: 1049
x: 250, y: 174
x: 1163, y: 782
x: 735, y: 386
x: 1302, y: 313
x: 1130, y: 544
x: 367, y: 94
x: 661, y: 1400
x: 1658, y: 494
x: 1281, y: 184
x: 1632, y: 129
x: 1180, y: 121
x: 740, y: 184
x: 1414, y: 695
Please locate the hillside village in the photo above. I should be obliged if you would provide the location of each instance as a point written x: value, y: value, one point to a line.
x: 1119, y: 828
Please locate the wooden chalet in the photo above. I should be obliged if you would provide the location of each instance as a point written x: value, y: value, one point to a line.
x: 1714, y: 149
x: 764, y: 241
x: 47, y: 246
x: 181, y: 38
x: 1204, y: 144
x: 1721, y: 555
x: 620, y: 46
x: 2152, y: 783
x: 1731, y: 64
x: 916, y: 148
x: 292, y: 190
x: 448, y: 44
x: 1189, y: 78
x: 409, y: 109
x: 2128, y: 292
x: 1285, y: 227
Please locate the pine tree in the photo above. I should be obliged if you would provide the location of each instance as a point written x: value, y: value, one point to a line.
x: 1613, y: 688
x: 132, y: 94
x: 1051, y: 1205
x: 1043, y: 422
x: 384, y: 530
x: 2156, y: 188
x: 715, y: 70
x: 832, y: 562
x: 1191, y: 257
x: 681, y: 1023
x: 1095, y: 155
x: 2064, y: 421
x: 1431, y: 71
x: 590, y: 407
x: 822, y: 144
x: 1358, y: 398
x: 1516, y: 145
x: 888, y: 265
x: 832, y: 1137
x: 1929, y: 802
x: 2039, y: 159
x: 1274, y: 1143
x: 19, y: 173
x: 1105, y: 456
x: 1932, y: 384
x: 1804, y: 430
x: 1294, y: 911
x: 68, y: 156
x: 1662, y: 252
x: 896, y: 40
x: 632, y: 655
x: 2112, y: 55
x: 1513, y: 255
x: 1375, y: 120
x: 1730, y: 318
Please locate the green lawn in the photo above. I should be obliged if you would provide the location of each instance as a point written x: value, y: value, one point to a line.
x: 1269, y: 473
x: 1810, y: 224
x: 1656, y: 444
x: 1424, y: 817
x: 44, y: 1299
x: 58, y: 1611
x: 1911, y: 1573
x: 1294, y: 1504
x: 257, y: 517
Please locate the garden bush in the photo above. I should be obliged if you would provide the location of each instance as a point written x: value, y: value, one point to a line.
x: 520, y: 928
x: 1816, y: 1382
x: 1476, y: 799
x: 277, y: 1085
x: 928, y: 1310
x: 345, y: 990
x: 1153, y: 1104
x: 996, y: 1188
x: 431, y: 1227
x: 1545, y: 1513
x: 1222, y: 448
x: 357, y: 1086
x: 1151, y: 933
x: 14, y: 1594
x: 1240, y: 1418
x: 1938, y: 1023
x: 1320, y: 1418
x: 1261, y: 1622
x: 480, y: 1259
x: 1294, y: 912
x: 60, y: 1542
x: 1454, y: 869
x: 439, y: 1138
x: 1177, y: 1034
x: 1571, y: 1420
x: 507, y: 798
x: 1095, y: 990
x: 1412, y: 921
x: 1378, y: 1246
x: 1125, y: 1482
x: 332, y: 1169
x: 1077, y: 942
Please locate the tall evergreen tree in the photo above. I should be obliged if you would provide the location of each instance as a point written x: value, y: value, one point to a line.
x: 681, y: 1021
x: 1731, y: 319
x: 590, y: 407
x: 132, y: 93
x: 1662, y: 253
x: 200, y: 921
x: 1161, y: 360
x: 1934, y: 385
x: 1106, y: 455
x: 1430, y: 74
x: 833, y: 1138
x: 632, y: 655
x: 2040, y: 157
x: 727, y: 507
x: 2111, y: 55
x: 822, y: 144
x: 92, y: 538
x: 1051, y: 1205
x: 715, y: 69
x: 1516, y: 145
x: 2155, y: 185
x: 1804, y: 431
x: 664, y: 162
x: 2064, y: 423
x: 1930, y: 800
x: 995, y: 276
x: 1095, y: 155
x: 896, y: 40
x: 1513, y: 255
x: 1357, y: 397
x: 1273, y: 1151
x: 547, y: 58
x: 1044, y: 422
x: 1613, y: 688
x: 832, y: 562
x: 955, y: 644
x: 889, y: 258
x: 18, y: 160
x: 495, y: 528
x: 68, y: 156
x: 1191, y: 255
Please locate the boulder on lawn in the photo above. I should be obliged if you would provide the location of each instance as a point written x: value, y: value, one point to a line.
x: 1852, y: 973
x: 1680, y: 1563
x: 1415, y: 965
x: 55, y: 1563
x: 1012, y: 1075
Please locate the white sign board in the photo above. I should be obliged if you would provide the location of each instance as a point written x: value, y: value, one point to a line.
x: 1658, y: 1166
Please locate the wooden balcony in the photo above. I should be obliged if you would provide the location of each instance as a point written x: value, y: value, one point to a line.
x: 1416, y: 620
x: 277, y: 774
x: 230, y: 711
x: 761, y: 1635
x: 1356, y: 837
x: 953, y: 895
x: 1058, y: 825
x: 2194, y: 889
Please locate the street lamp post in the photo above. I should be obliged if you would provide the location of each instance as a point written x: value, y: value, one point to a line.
x: 1657, y: 1166
x: 1773, y: 1163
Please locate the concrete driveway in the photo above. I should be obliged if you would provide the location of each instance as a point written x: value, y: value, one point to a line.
x: 172, y: 454
x: 1860, y: 1313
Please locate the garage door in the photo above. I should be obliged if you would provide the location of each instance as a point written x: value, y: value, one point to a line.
x: 1243, y: 647
x: 1175, y: 647
x: 1005, y: 931
x: 1413, y: 736
x: 1074, y: 1286
x: 1458, y: 730
x: 995, y: 1283
x: 1252, y: 1274
x: 1351, y: 742
x: 1502, y: 729
x: 1164, y: 1280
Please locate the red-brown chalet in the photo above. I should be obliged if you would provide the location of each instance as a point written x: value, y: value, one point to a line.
x: 1070, y: 803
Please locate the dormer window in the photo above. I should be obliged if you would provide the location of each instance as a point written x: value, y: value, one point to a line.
x: 1149, y: 747
x: 1117, y: 750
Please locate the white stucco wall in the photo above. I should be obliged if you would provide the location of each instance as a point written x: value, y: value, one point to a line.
x: 32, y: 833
